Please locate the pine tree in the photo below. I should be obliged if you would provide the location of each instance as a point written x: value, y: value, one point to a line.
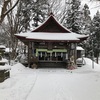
x: 86, y: 20
x: 40, y: 11
x: 32, y: 13
x: 73, y: 17
x: 85, y: 28
x: 95, y: 36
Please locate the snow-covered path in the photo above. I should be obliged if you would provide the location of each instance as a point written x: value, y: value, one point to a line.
x: 65, y: 85
x: 49, y: 86
x: 52, y: 84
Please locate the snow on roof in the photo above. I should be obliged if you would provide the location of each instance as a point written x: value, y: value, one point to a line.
x: 2, y: 46
x: 8, y: 49
x: 51, y: 36
x: 6, y: 67
x: 79, y: 48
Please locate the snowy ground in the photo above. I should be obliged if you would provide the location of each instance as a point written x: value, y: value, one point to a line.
x: 52, y: 84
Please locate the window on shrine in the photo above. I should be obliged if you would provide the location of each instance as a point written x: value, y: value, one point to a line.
x: 41, y: 55
x: 51, y: 55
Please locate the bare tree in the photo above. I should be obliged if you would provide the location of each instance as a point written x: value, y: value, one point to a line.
x: 64, y: 10
x: 11, y: 28
x: 5, y: 11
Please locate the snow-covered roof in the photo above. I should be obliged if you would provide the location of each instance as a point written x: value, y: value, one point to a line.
x: 8, y: 49
x: 5, y: 68
x: 3, y: 60
x: 51, y: 30
x: 2, y: 46
x: 79, y: 48
x: 51, y: 36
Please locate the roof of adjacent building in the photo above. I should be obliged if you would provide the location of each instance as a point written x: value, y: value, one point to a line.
x: 2, y: 47
x: 79, y: 48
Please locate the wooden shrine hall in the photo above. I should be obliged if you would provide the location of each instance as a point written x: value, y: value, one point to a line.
x: 51, y: 44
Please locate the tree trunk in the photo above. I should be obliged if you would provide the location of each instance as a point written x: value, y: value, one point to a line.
x: 97, y: 60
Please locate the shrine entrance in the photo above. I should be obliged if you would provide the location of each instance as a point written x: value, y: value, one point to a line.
x: 51, y: 55
x: 51, y: 58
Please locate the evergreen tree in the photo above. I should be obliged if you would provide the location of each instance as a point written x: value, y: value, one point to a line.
x: 73, y: 17
x: 86, y: 20
x: 85, y: 28
x: 40, y: 11
x: 32, y: 13
x: 95, y: 36
x: 25, y: 14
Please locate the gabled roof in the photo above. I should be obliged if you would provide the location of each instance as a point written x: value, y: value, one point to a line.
x: 51, y: 25
x: 51, y: 31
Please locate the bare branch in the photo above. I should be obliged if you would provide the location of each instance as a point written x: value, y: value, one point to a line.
x: 12, y: 7
x: 4, y: 11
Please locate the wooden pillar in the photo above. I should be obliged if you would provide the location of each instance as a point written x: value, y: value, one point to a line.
x: 75, y: 53
x: 24, y: 49
x: 29, y: 53
x: 69, y: 49
x: 33, y: 49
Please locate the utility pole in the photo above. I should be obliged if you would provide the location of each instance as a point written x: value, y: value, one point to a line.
x: 92, y: 56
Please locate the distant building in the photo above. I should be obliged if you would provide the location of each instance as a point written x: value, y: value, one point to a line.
x: 80, y: 52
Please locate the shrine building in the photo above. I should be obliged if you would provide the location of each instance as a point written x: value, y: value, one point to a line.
x: 51, y: 44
